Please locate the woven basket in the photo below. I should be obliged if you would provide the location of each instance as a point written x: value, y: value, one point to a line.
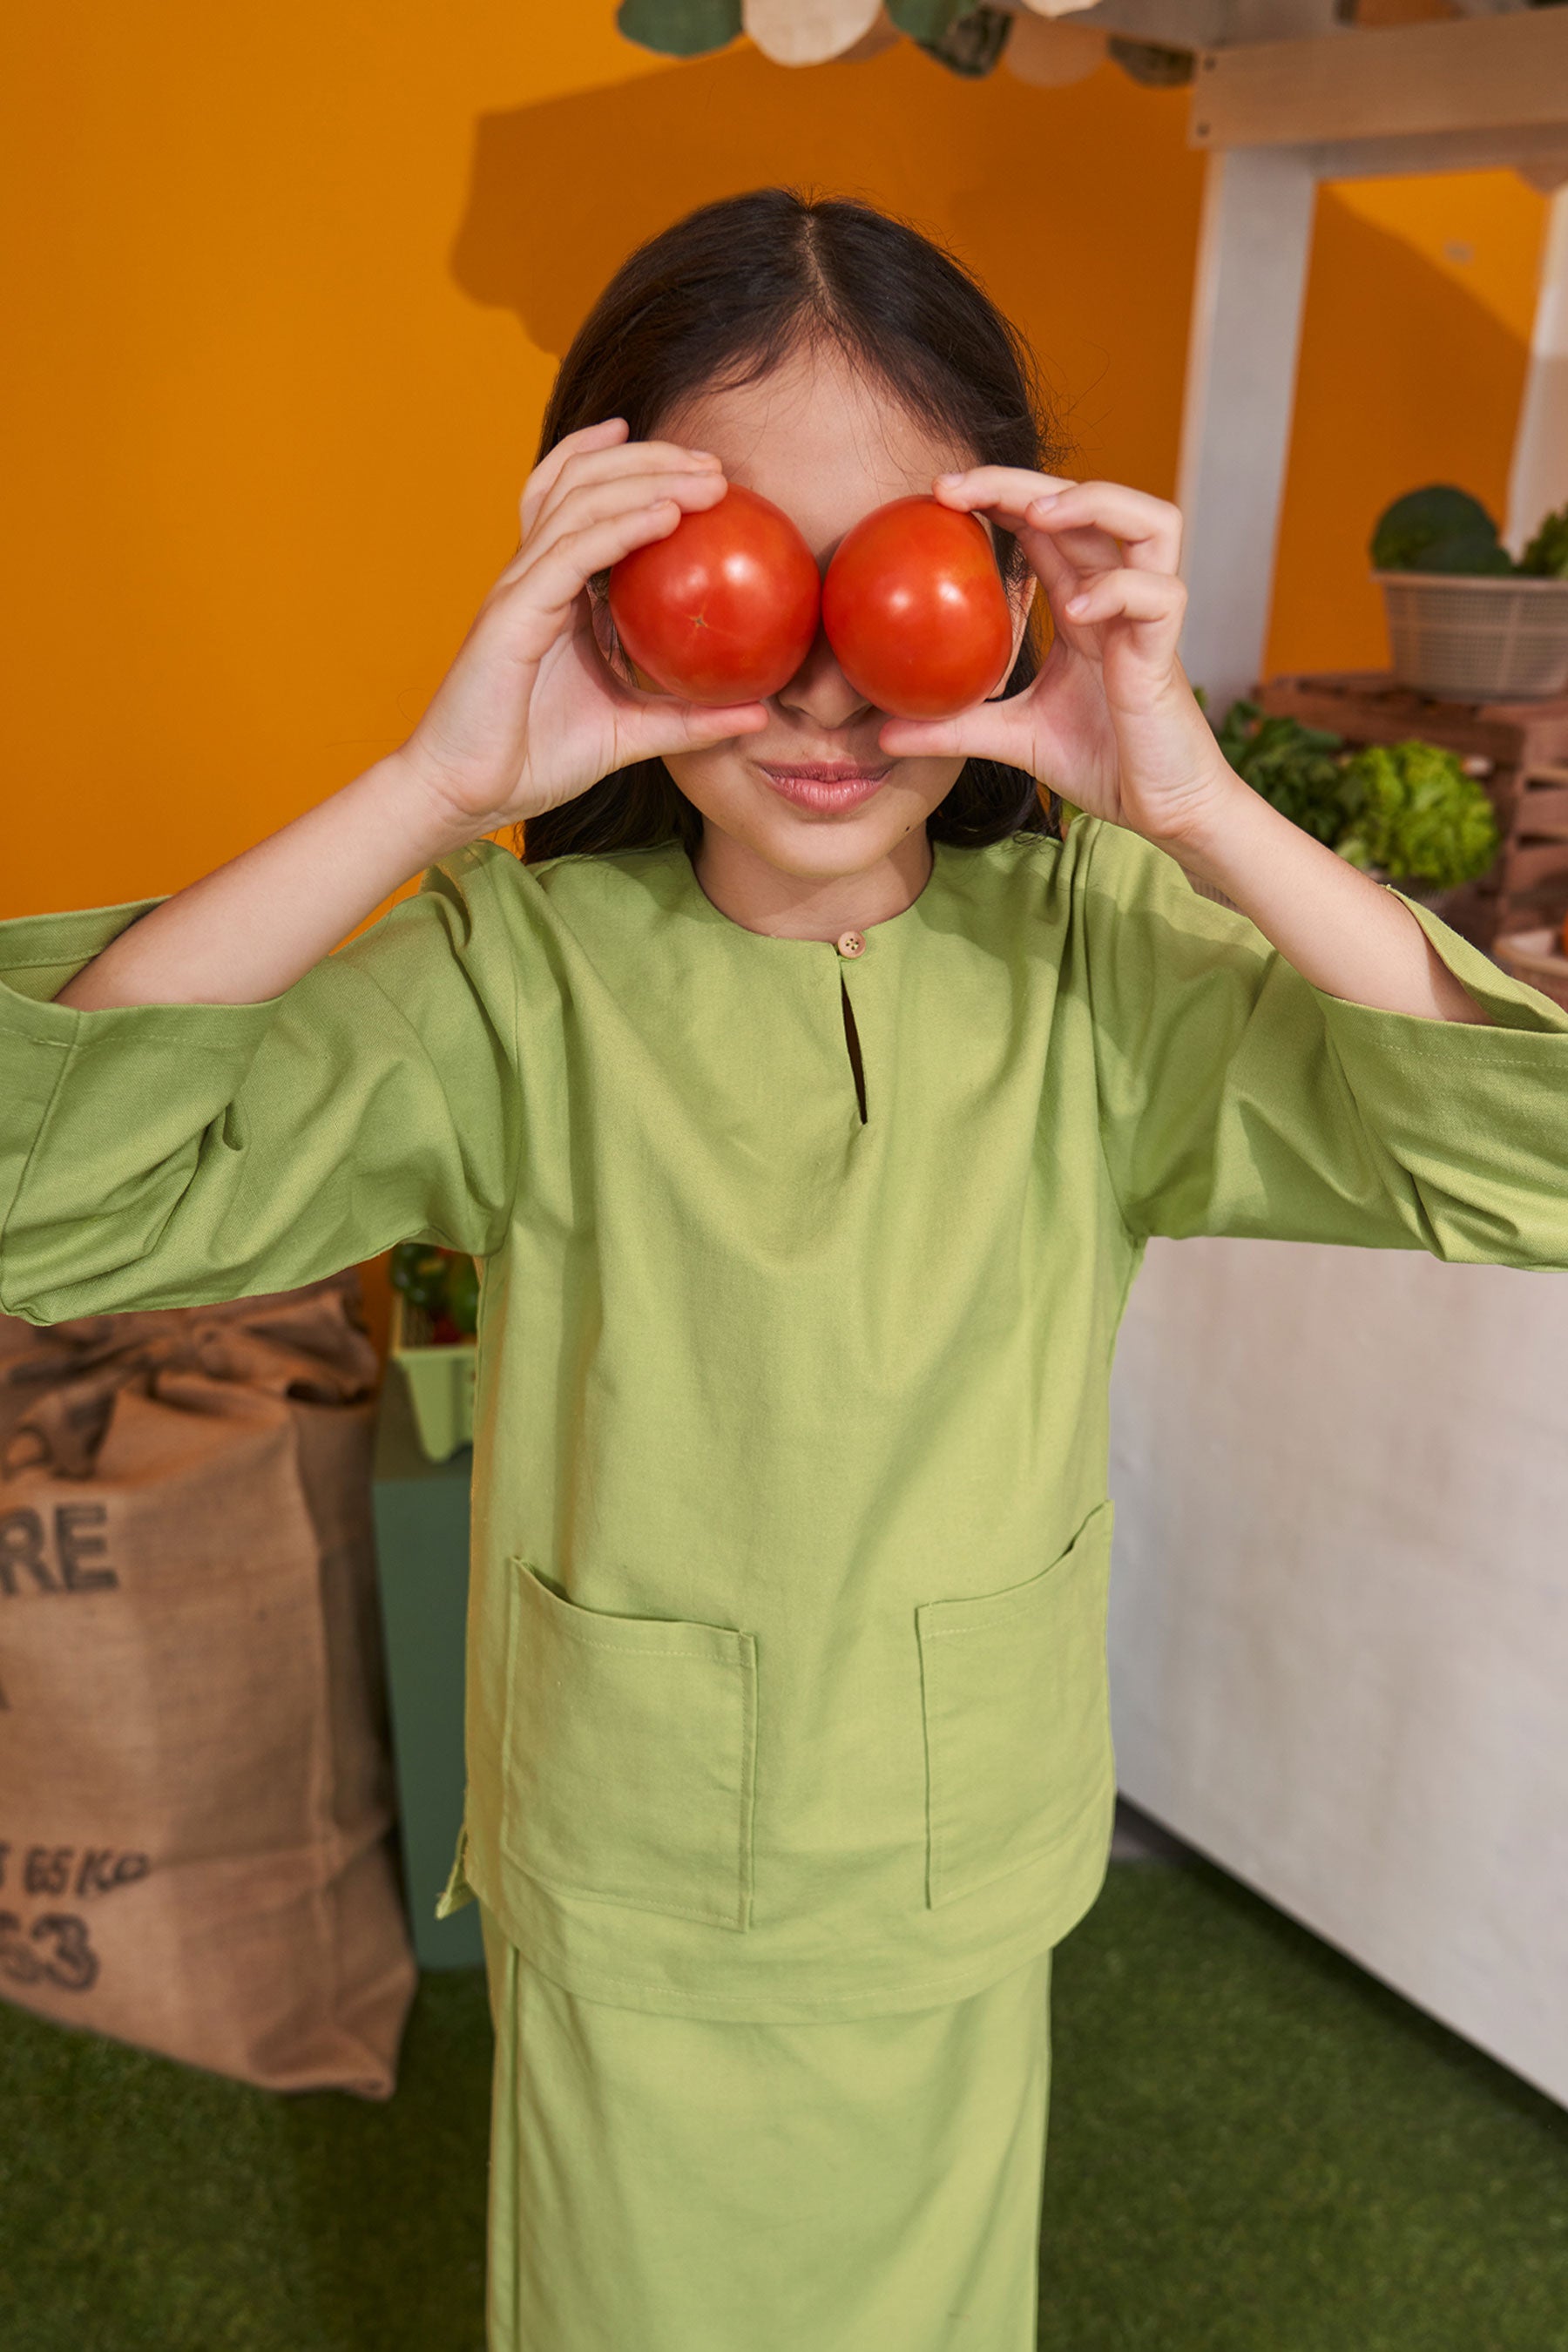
x: 441, y: 1377
x: 1536, y: 957
x: 1478, y: 639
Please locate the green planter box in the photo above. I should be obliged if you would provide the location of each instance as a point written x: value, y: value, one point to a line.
x: 422, y: 1553
x: 440, y: 1380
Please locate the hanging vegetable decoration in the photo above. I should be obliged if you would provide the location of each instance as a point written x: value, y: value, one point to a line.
x: 970, y: 38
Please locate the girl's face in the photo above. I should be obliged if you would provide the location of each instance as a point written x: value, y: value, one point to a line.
x: 827, y: 447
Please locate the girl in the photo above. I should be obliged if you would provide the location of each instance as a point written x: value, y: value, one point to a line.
x: 809, y: 1101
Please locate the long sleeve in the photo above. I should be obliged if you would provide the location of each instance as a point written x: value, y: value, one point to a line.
x: 176, y: 1155
x: 1236, y: 1098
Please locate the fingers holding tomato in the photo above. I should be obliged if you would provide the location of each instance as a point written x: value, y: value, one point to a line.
x: 642, y: 479
x: 1108, y: 717
x: 592, y: 523
x: 1091, y: 522
x: 1106, y: 555
x: 1124, y: 595
x: 1113, y: 554
x: 529, y: 715
x: 1097, y: 518
x: 605, y: 434
x: 724, y: 600
x: 730, y: 603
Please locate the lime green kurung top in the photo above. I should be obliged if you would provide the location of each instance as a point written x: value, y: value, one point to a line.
x: 790, y: 1535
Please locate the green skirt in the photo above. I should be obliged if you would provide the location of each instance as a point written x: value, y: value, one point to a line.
x: 675, y: 2184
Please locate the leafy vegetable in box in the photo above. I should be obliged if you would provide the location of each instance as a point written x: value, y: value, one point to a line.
x: 444, y: 1283
x: 1405, y: 811
x: 1414, y: 812
x: 1546, y: 557
x: 1293, y: 767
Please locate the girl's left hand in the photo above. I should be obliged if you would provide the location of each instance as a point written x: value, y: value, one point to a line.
x: 1109, y: 720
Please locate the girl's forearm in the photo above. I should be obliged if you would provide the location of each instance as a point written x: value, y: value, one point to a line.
x: 1340, y: 930
x: 249, y: 930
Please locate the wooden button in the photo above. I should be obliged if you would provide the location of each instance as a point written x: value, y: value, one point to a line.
x: 850, y: 943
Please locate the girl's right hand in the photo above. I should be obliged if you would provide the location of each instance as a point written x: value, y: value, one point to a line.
x: 530, y: 713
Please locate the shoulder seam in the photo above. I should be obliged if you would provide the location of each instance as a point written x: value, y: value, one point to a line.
x: 6, y: 1307
x: 490, y: 869
x: 516, y: 1082
x: 1132, y: 1238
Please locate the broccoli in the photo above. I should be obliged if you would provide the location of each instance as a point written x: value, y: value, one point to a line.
x: 1439, y: 530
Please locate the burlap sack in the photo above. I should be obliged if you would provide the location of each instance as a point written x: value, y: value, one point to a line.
x: 195, y: 1787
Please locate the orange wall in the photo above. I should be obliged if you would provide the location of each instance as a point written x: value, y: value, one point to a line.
x: 1415, y: 341
x: 287, y: 288
x: 288, y: 292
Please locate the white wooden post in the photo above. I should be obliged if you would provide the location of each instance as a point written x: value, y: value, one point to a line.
x: 1538, y: 482
x: 1253, y: 247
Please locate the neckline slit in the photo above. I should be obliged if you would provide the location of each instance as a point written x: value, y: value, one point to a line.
x: 852, y: 1039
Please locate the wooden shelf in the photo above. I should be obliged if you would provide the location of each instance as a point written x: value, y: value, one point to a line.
x: 1496, y: 72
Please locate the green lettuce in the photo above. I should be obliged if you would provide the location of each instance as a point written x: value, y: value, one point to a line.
x: 1547, y: 555
x: 1412, y: 812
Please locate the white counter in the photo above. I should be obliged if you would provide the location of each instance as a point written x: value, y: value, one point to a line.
x: 1339, y: 1618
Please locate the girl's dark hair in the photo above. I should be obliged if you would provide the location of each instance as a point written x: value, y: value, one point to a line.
x: 718, y: 300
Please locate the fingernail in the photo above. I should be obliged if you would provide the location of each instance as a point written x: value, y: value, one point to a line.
x: 950, y: 477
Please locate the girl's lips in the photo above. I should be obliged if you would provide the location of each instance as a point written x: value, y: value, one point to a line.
x: 819, y: 786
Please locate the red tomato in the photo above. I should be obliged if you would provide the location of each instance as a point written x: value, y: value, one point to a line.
x: 915, y: 610
x: 725, y: 608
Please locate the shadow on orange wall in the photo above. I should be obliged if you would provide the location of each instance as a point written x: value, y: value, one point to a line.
x: 1404, y: 377
x: 1095, y: 265
x: 286, y: 316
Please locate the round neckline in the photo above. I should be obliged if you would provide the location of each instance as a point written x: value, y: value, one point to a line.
x: 703, y: 907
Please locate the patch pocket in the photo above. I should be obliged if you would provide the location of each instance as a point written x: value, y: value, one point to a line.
x: 1017, y: 1717
x: 630, y: 1756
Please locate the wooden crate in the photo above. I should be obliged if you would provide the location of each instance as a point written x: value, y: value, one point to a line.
x: 1519, y: 751
x: 1536, y: 957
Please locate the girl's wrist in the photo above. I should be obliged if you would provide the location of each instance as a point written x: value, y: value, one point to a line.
x: 1210, y: 826
x: 421, y: 814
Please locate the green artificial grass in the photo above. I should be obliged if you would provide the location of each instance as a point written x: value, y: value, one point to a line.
x: 1254, y: 2148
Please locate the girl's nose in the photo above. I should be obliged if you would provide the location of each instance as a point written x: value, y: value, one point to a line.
x: 820, y: 691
